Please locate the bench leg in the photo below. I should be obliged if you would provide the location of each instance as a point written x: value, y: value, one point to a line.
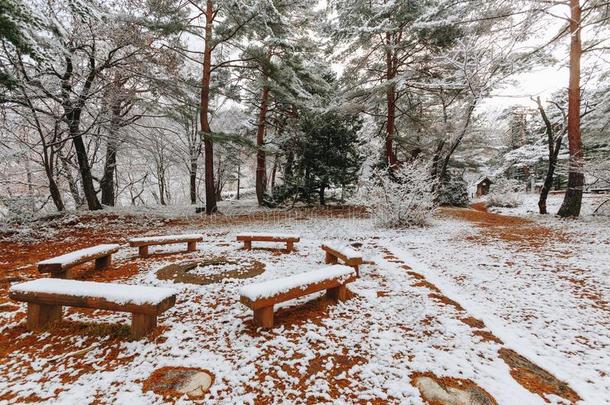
x: 289, y: 246
x: 70, y: 274
x: 142, y: 324
x: 355, y: 266
x: 338, y: 293
x: 40, y: 315
x: 330, y: 259
x: 263, y: 317
x: 143, y: 251
x: 103, y: 262
x: 248, y: 244
x: 66, y: 274
x: 191, y: 246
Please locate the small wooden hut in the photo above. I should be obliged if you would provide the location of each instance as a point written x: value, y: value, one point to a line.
x: 483, y: 186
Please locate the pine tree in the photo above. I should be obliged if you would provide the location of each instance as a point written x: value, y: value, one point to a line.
x: 325, y: 155
x: 277, y: 71
x: 384, y: 43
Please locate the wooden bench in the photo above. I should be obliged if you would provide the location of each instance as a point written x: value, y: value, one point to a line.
x: 47, y: 296
x: 248, y: 238
x: 349, y: 256
x: 143, y: 243
x: 263, y: 296
x: 61, y: 266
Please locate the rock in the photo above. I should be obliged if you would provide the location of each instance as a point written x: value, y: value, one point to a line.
x: 196, y: 385
x: 178, y: 381
x: 452, y: 391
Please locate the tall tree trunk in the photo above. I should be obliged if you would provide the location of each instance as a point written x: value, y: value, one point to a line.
x: 210, y: 195
x: 83, y: 162
x: 161, y: 183
x: 261, y: 171
x: 53, y: 188
x: 218, y: 187
x: 193, y: 180
x: 238, y: 178
x: 194, y: 150
x: 321, y: 193
x: 29, y: 179
x: 289, y: 170
x: 573, y: 198
x: 548, y: 181
x: 55, y: 194
x: 554, y: 147
x: 72, y: 182
x: 391, y: 103
x: 72, y: 118
x: 273, y: 173
x: 112, y: 145
x: 107, y: 182
x: 457, y: 141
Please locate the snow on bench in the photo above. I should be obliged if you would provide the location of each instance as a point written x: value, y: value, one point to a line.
x: 144, y: 242
x: 47, y: 296
x: 263, y: 296
x: 249, y: 237
x: 60, y: 266
x: 349, y: 256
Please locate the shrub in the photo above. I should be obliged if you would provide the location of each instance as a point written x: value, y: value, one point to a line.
x: 402, y: 198
x: 20, y: 208
x: 454, y: 191
x: 505, y: 193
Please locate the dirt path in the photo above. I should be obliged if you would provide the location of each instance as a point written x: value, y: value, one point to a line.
x: 525, y: 372
x: 528, y: 236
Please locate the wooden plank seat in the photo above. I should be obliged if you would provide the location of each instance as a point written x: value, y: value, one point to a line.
x: 248, y: 238
x: 143, y: 243
x: 62, y: 266
x: 263, y: 296
x: 349, y: 256
x: 46, y: 297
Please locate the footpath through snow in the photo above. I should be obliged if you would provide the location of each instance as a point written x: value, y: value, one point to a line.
x: 543, y: 292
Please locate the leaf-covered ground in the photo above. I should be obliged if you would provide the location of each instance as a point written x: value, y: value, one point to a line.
x: 517, y: 306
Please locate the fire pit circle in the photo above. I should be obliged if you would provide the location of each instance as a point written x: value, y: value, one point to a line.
x: 211, y: 270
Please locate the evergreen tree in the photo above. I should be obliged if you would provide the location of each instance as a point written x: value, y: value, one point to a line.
x: 17, y: 23
x: 326, y: 155
x: 385, y: 45
x: 454, y: 191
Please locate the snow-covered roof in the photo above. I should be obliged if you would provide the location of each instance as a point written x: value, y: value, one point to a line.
x: 75, y: 257
x: 271, y: 288
x: 482, y: 179
x: 116, y: 293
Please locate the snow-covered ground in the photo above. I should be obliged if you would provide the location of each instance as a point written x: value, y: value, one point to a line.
x: 544, y: 295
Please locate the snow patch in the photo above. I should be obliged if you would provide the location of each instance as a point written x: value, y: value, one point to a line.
x: 161, y: 239
x: 273, y: 287
x: 116, y: 293
x: 344, y: 249
x: 268, y: 235
x: 75, y: 257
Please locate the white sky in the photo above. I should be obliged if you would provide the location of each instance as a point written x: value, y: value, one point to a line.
x: 541, y: 82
